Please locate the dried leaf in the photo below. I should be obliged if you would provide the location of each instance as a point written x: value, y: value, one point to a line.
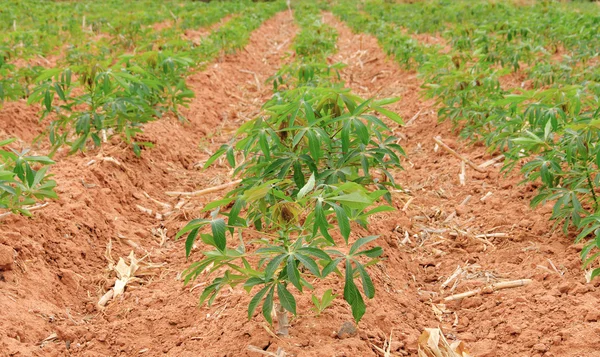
x: 432, y: 343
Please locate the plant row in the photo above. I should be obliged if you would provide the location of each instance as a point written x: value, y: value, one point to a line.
x: 95, y: 101
x: 103, y: 42
x: 313, y: 165
x: 551, y: 129
x: 87, y: 104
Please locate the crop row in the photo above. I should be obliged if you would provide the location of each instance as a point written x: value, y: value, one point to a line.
x: 550, y: 130
x: 309, y: 169
x: 87, y: 104
x: 105, y: 40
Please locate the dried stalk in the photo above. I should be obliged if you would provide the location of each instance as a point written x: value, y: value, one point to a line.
x: 463, y: 173
x: 489, y: 289
x: 457, y: 155
x: 492, y: 161
x: 408, y: 123
x: 204, y: 191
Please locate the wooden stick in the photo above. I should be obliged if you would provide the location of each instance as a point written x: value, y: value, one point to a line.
x: 485, y: 197
x: 490, y: 288
x: 407, y: 204
x: 465, y: 201
x: 457, y: 155
x: 491, y: 161
x: 204, y: 191
x: 492, y: 235
x: 463, y: 174
x: 413, y: 118
x: 454, y: 275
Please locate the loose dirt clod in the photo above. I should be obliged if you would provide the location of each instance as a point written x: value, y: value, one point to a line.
x: 7, y: 257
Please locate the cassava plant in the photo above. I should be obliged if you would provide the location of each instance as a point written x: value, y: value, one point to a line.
x: 313, y: 162
x: 24, y: 179
x: 316, y: 156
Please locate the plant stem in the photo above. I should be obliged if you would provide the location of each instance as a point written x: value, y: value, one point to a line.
x: 591, y: 185
x: 282, y: 321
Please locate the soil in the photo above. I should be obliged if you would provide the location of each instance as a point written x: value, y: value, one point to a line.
x: 112, y: 203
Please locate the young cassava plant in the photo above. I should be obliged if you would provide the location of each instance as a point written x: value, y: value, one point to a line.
x: 24, y: 179
x: 316, y: 160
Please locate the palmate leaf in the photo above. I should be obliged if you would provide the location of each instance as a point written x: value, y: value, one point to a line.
x: 309, y: 263
x: 218, y: 228
x: 286, y: 299
x: 292, y: 272
x: 256, y: 300
x: 367, y: 283
x: 267, y: 307
x: 352, y: 295
x: 343, y: 221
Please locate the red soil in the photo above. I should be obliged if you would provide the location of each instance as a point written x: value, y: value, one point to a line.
x: 61, y: 266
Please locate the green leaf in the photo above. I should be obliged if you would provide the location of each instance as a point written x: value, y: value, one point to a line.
x: 360, y: 242
x: 256, y: 300
x: 273, y: 265
x: 372, y: 253
x: 343, y: 221
x: 293, y: 273
x: 356, y: 199
x: 218, y: 203
x: 256, y: 193
x: 314, y: 145
x: 286, y: 299
x: 267, y: 307
x: 7, y: 141
x: 308, y: 263
x: 189, y: 242
x: 321, y: 222
x: 193, y: 224
x: 218, y: 228
x: 367, y: 283
x: 391, y: 115
x: 352, y: 295
x: 329, y: 268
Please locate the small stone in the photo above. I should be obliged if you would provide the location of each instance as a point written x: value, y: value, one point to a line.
x: 6, y: 257
x: 513, y: 330
x: 397, y: 346
x: 556, y: 340
x: 462, y: 210
x: 540, y: 347
x: 592, y: 316
x: 467, y: 337
x: 566, y: 287
x: 348, y: 329
x: 555, y: 292
x: 581, y: 289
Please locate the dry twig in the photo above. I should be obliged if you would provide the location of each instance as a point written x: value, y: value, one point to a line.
x: 457, y: 155
x: 490, y: 288
x: 204, y: 191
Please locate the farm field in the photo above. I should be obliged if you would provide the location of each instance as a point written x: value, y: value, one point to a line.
x: 332, y: 178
